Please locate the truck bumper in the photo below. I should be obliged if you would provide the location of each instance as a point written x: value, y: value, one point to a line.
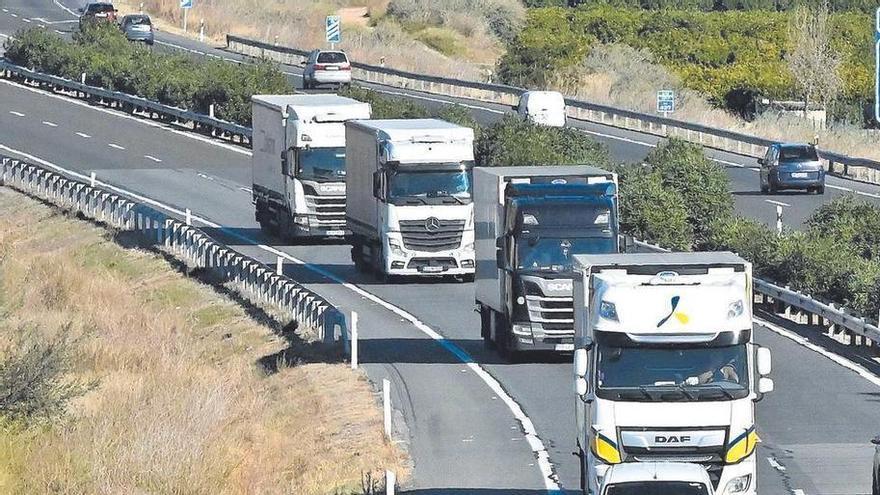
x: 433, y: 264
x: 529, y: 338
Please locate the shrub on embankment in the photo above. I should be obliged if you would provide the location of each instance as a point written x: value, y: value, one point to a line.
x: 110, y: 61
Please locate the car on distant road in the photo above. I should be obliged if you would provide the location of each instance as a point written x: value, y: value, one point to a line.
x: 97, y: 12
x: 792, y: 166
x: 543, y: 108
x: 326, y: 67
x: 137, y: 27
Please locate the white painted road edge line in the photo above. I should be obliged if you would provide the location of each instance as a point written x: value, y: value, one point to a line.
x: 842, y: 361
x: 63, y: 7
x: 777, y: 203
x: 528, y: 428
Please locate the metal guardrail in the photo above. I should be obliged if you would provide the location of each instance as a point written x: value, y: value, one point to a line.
x: 253, y: 279
x: 839, y: 323
x: 711, y: 137
x: 132, y: 104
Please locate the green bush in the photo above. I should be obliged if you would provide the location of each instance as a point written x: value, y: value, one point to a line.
x: 855, y: 223
x: 750, y: 239
x: 101, y: 52
x: 514, y: 142
x: 702, y: 184
x: 641, y: 191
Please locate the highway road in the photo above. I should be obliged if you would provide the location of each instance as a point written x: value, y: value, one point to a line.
x: 466, y: 416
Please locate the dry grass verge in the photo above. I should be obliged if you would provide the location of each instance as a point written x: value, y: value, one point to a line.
x: 458, y: 38
x: 180, y: 402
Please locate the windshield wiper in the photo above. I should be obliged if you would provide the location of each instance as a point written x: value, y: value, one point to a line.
x: 456, y: 199
x: 719, y: 388
x: 689, y: 395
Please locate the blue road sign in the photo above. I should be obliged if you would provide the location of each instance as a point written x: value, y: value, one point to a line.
x: 334, y: 29
x: 665, y: 101
x: 186, y: 4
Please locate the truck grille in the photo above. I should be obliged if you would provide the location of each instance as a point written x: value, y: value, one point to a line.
x: 554, y: 314
x: 427, y: 236
x: 329, y: 210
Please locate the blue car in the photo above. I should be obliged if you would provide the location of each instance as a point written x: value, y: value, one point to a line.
x: 792, y: 166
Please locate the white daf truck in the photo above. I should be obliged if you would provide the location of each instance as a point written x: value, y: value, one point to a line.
x: 410, y: 197
x: 665, y: 365
x: 299, y: 163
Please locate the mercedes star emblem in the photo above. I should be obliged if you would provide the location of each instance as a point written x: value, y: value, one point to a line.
x: 432, y: 224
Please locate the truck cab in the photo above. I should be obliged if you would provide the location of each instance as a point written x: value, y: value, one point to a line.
x: 657, y: 478
x: 531, y: 222
x: 298, y: 163
x: 666, y: 367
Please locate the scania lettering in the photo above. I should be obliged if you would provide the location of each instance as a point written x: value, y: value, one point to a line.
x: 665, y: 365
x: 410, y: 206
x: 530, y: 221
x: 299, y: 162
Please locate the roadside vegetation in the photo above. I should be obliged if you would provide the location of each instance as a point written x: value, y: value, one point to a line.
x: 108, y: 60
x: 120, y: 375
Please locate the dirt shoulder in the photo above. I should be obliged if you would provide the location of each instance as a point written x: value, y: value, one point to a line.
x: 183, y: 391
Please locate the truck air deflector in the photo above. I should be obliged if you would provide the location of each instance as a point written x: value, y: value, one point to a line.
x: 720, y: 339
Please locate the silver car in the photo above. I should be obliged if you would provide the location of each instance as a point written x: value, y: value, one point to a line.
x: 326, y: 67
x: 137, y: 27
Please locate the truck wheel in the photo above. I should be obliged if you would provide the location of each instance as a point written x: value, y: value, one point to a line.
x: 504, y: 339
x: 357, y: 257
x: 376, y: 260
x: 485, y: 327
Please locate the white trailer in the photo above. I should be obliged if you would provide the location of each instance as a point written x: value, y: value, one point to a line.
x: 410, y: 197
x: 666, y: 367
x: 298, y: 162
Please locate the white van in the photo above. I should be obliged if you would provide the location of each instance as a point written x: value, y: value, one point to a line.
x: 543, y: 108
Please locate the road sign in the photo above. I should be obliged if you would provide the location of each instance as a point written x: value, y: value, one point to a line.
x: 665, y: 101
x: 334, y: 29
x: 877, y: 66
x: 186, y: 4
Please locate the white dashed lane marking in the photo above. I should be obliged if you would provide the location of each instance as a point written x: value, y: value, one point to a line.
x: 148, y: 157
x: 116, y: 146
x: 83, y: 135
x: 25, y: 19
x: 17, y: 114
x: 50, y: 124
x: 775, y: 464
x: 14, y: 15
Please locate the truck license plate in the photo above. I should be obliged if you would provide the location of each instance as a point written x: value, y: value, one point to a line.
x: 335, y: 233
x: 800, y: 175
x: 432, y: 269
x: 564, y: 347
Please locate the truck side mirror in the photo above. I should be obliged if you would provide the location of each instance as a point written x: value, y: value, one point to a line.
x: 581, y: 362
x: 765, y: 385
x: 377, y: 185
x: 765, y: 364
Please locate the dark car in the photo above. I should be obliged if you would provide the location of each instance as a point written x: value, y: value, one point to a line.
x: 137, y: 27
x: 792, y: 166
x: 97, y: 12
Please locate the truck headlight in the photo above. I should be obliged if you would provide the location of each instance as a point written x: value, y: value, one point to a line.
x: 604, y: 448
x: 738, y: 485
x: 395, y: 248
x: 741, y: 447
x: 608, y: 311
x: 301, y: 220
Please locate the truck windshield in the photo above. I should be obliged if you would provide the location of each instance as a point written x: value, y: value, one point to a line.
x: 427, y: 186
x: 554, y: 253
x: 657, y: 488
x: 672, y: 374
x: 321, y: 164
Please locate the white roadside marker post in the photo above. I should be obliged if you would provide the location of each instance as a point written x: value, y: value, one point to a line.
x: 354, y: 341
x: 386, y: 405
x: 779, y: 219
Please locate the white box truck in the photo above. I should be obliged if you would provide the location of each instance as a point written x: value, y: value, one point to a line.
x: 666, y: 367
x: 410, y: 204
x: 530, y: 221
x: 299, y: 163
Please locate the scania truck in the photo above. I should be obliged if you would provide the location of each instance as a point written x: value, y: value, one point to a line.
x: 666, y: 367
x: 530, y: 222
x: 410, y: 198
x: 298, y: 163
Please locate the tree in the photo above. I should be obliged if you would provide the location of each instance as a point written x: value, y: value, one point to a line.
x: 813, y: 62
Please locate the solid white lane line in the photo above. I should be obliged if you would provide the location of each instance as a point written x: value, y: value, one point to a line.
x: 860, y: 193
x: 528, y: 428
x: 778, y: 203
x: 842, y: 361
x: 83, y: 135
x: 776, y: 465
x: 186, y: 134
x: 149, y: 157
x: 17, y: 114
x: 61, y: 5
x: 114, y: 145
x: 50, y: 124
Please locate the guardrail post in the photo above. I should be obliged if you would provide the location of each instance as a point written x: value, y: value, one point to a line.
x: 353, y: 335
x: 92, y: 179
x: 279, y: 265
x: 386, y: 406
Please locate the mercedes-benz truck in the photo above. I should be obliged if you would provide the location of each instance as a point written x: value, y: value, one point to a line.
x: 666, y: 367
x: 298, y: 163
x: 530, y: 222
x: 410, y: 198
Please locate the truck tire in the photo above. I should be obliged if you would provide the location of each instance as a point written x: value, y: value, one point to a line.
x: 504, y: 339
x: 357, y: 257
x: 377, y: 265
x: 486, y: 327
